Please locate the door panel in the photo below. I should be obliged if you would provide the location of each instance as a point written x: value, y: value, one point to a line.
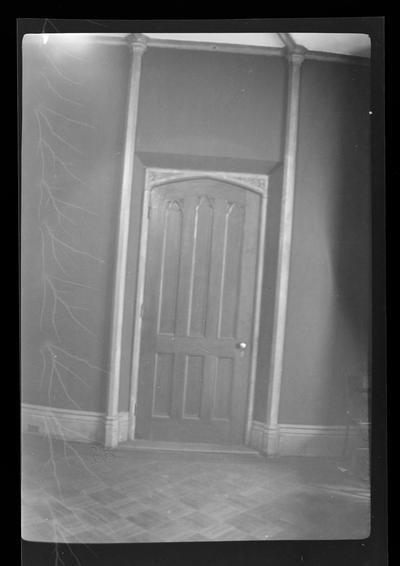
x: 170, y: 268
x: 198, y: 305
x: 200, y: 268
x: 164, y: 371
x: 230, y: 279
x: 193, y: 387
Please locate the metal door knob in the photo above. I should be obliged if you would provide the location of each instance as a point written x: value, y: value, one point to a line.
x: 241, y: 345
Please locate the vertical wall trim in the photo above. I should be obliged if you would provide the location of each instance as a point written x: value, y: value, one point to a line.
x: 137, y: 332
x: 138, y: 46
x: 295, y: 59
x: 257, y: 313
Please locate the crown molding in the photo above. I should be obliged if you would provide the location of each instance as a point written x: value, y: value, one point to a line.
x: 287, y: 40
x: 125, y: 40
x: 216, y: 47
x: 256, y: 50
x: 337, y: 58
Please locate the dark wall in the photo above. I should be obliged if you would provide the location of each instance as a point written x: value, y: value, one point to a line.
x: 211, y: 104
x: 74, y: 97
x: 327, y: 324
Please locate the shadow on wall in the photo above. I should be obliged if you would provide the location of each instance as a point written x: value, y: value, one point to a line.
x: 327, y: 317
x: 350, y: 250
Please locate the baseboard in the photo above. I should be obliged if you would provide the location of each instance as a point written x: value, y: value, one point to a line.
x: 299, y: 440
x: 123, y: 426
x: 189, y: 447
x: 89, y: 426
x: 68, y: 424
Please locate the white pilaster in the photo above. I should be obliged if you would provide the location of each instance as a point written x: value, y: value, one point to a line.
x: 138, y: 46
x: 295, y: 59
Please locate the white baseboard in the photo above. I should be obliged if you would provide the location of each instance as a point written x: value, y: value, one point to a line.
x: 90, y: 426
x: 68, y: 424
x: 299, y: 440
x: 123, y: 426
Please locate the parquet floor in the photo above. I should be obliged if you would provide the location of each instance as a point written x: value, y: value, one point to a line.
x: 81, y: 493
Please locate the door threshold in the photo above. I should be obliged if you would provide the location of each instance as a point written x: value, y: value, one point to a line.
x: 200, y: 447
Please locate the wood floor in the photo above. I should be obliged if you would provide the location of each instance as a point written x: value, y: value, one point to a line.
x: 75, y: 492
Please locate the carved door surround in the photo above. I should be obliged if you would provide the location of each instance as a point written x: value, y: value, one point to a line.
x: 295, y: 57
x: 156, y: 179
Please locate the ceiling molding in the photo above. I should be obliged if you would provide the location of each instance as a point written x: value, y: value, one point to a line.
x: 337, y: 58
x: 288, y: 41
x: 216, y: 47
x: 256, y: 50
x: 124, y: 40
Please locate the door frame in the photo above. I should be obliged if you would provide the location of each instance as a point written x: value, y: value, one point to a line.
x: 156, y: 176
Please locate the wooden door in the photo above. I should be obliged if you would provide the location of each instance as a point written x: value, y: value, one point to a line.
x: 197, y: 313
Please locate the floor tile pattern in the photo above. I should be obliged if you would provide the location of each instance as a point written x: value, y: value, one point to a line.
x: 75, y: 492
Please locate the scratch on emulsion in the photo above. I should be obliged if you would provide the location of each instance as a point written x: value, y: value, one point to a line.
x: 62, y: 367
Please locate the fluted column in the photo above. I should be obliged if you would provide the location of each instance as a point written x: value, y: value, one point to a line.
x: 295, y: 59
x: 137, y: 44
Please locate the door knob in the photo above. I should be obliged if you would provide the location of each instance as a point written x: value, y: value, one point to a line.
x: 241, y: 345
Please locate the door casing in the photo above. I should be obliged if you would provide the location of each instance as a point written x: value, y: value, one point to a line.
x: 159, y: 176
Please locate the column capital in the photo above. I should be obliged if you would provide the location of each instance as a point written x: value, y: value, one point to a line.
x: 296, y: 55
x: 137, y: 43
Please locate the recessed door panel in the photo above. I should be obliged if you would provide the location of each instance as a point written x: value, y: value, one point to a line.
x: 230, y: 280
x: 193, y: 386
x: 171, y: 254
x: 164, y: 367
x: 200, y: 266
x: 222, y: 403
